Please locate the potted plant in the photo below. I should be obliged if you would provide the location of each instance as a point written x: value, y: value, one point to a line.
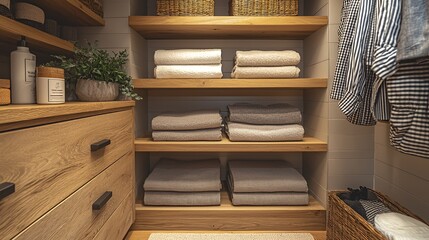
x: 96, y: 74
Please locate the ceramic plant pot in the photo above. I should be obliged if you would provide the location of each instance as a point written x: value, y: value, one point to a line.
x: 88, y: 90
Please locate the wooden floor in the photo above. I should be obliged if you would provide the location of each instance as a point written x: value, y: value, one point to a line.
x: 144, y: 235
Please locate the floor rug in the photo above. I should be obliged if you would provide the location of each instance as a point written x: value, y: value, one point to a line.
x: 231, y: 236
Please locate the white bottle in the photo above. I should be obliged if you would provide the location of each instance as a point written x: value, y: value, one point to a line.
x: 23, y: 74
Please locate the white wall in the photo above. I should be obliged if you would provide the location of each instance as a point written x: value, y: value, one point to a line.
x: 402, y: 177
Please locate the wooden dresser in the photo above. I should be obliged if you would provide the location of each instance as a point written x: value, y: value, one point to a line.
x: 67, y: 171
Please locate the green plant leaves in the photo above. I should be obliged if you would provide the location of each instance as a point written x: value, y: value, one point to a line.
x: 97, y: 64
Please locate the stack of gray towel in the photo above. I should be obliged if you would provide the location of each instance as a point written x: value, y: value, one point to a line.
x: 272, y: 123
x: 202, y: 125
x: 266, y: 64
x: 188, y: 63
x: 183, y: 183
x: 266, y: 183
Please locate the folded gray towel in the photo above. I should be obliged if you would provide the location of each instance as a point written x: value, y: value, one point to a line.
x: 265, y: 176
x: 265, y: 72
x: 213, y: 134
x: 267, y: 199
x: 187, y: 56
x: 191, y: 120
x: 280, y: 113
x: 267, y: 58
x: 182, y: 198
x: 264, y: 133
x: 184, y: 176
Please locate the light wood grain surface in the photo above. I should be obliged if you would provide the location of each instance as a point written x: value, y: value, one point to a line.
x: 232, y: 218
x: 4, y: 83
x: 74, y: 218
x: 17, y: 116
x: 212, y: 27
x: 49, y: 162
x: 117, y: 225
x: 144, y: 235
x: 231, y: 83
x: 13, y: 30
x: 309, y: 144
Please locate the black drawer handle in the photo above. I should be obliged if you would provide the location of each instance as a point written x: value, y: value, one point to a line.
x: 6, y: 189
x: 99, y: 145
x: 101, y: 201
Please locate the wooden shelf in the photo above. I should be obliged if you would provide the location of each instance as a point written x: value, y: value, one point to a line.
x: 229, y: 217
x: 309, y: 144
x: 70, y: 12
x: 4, y: 83
x: 11, y: 31
x: 18, y: 116
x: 226, y: 27
x: 153, y: 83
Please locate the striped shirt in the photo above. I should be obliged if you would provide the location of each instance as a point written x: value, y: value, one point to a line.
x: 408, y: 93
x: 359, y: 78
x: 349, y: 16
x: 387, y: 25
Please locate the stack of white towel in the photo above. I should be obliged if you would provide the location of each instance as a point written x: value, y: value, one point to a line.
x: 266, y: 183
x: 204, y: 125
x: 272, y: 123
x: 188, y: 63
x: 183, y: 183
x: 266, y: 64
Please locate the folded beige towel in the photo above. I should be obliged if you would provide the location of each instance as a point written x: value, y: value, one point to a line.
x: 257, y: 58
x: 188, y: 71
x: 182, y: 198
x: 188, y: 56
x: 265, y: 176
x: 191, y: 120
x: 281, y: 113
x: 265, y: 72
x: 213, y: 134
x: 184, y: 176
x: 264, y: 133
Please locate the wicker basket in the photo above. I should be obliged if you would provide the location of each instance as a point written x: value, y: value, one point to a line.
x: 264, y: 7
x: 95, y: 5
x: 345, y: 223
x: 185, y: 7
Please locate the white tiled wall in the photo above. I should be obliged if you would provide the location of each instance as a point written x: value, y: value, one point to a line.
x: 402, y: 177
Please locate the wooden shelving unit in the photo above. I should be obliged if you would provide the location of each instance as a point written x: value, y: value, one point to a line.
x: 152, y: 83
x: 11, y: 31
x: 226, y: 27
x: 71, y: 12
x: 229, y: 217
x: 309, y: 144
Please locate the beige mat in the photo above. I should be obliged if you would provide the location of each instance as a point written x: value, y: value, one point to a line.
x: 231, y: 236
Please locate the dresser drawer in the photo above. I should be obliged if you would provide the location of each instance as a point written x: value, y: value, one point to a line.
x: 74, y: 218
x: 118, y: 224
x: 48, y: 163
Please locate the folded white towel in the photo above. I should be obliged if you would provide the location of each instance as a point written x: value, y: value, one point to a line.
x: 188, y: 71
x: 188, y: 56
x: 397, y: 226
x: 267, y: 58
x: 265, y: 72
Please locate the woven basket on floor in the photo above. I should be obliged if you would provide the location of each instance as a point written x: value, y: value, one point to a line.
x: 185, y: 7
x: 264, y: 7
x: 345, y: 223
